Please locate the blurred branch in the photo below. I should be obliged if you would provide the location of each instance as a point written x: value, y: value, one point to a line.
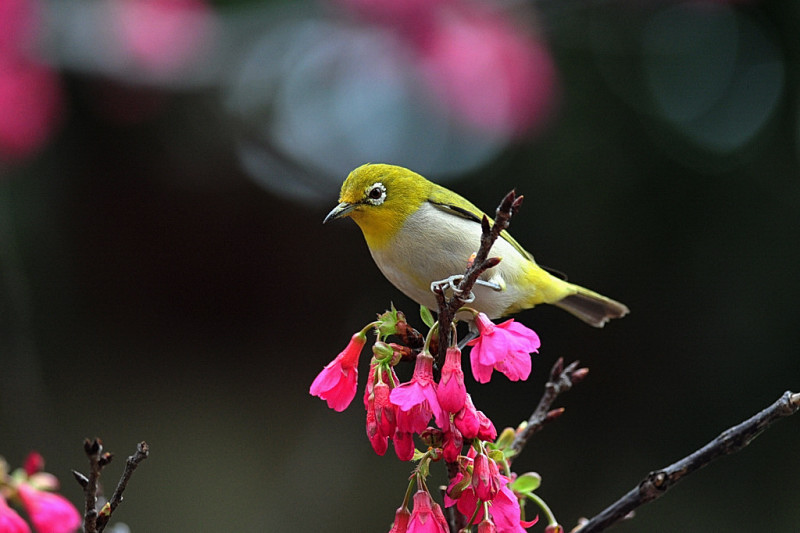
x: 481, y: 263
x: 94, y: 521
x: 657, y: 482
x: 561, y: 380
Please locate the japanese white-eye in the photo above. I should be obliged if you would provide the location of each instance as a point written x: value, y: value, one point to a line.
x: 419, y: 232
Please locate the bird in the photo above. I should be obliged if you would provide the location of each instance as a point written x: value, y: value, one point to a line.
x: 419, y: 232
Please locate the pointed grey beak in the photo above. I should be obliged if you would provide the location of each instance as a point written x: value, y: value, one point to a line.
x: 341, y: 210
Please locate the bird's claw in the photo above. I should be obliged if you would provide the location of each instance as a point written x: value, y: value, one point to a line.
x: 452, y: 283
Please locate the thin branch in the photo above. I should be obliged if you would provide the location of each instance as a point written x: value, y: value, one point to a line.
x: 657, y: 482
x: 94, y: 521
x: 482, y: 262
x: 561, y: 380
x: 142, y: 452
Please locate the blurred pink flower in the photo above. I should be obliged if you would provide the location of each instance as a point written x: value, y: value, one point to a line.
x: 34, y: 463
x: 10, y: 521
x: 49, y: 512
x: 489, y: 71
x: 30, y: 93
x: 162, y: 36
x: 30, y: 107
x: 18, y: 23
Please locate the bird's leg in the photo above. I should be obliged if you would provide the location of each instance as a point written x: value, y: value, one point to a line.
x: 471, y: 334
x: 492, y: 285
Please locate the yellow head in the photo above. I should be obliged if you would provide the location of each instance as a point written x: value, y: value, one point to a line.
x: 379, y: 198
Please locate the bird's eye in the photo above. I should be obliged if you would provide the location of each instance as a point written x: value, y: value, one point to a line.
x: 376, y: 193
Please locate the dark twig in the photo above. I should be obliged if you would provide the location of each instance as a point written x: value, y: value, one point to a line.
x: 482, y: 262
x: 94, y: 521
x: 561, y: 380
x: 657, y: 482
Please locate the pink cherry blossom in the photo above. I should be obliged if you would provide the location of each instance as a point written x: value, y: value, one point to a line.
x: 504, y: 508
x: 503, y: 347
x: 379, y: 441
x: 338, y: 381
x: 453, y: 443
x: 451, y: 391
x: 487, y: 526
x: 485, y: 477
x: 403, y: 445
x: 10, y: 521
x: 424, y: 516
x: 401, y: 517
x: 49, y: 512
x: 467, y: 420
x: 416, y: 400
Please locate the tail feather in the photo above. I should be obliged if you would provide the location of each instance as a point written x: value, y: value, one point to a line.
x: 592, y: 308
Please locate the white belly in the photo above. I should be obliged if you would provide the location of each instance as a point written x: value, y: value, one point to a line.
x: 434, y: 245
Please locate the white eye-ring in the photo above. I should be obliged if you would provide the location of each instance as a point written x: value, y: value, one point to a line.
x: 375, y: 193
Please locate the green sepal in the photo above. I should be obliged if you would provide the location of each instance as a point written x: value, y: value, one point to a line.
x: 417, y: 455
x: 495, y: 455
x: 387, y: 323
x: 505, y: 439
x: 426, y: 316
x: 526, y: 483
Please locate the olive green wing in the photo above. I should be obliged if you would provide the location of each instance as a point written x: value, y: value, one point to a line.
x: 457, y: 205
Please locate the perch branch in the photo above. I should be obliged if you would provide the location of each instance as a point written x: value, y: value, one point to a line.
x: 490, y: 232
x: 657, y: 482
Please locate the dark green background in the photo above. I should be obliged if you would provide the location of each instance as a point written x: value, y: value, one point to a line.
x: 153, y: 292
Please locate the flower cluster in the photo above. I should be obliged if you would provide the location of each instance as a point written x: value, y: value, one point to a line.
x: 31, y: 488
x: 435, y: 407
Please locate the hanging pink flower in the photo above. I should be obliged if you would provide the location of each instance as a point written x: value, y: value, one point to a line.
x: 403, y: 445
x: 10, y: 521
x: 49, y: 512
x: 467, y: 420
x: 337, y: 382
x: 487, y: 526
x: 453, y: 443
x: 506, y: 513
x: 504, y: 509
x: 451, y: 392
x: 379, y: 441
x: 486, y: 429
x: 401, y: 517
x: 424, y: 516
x: 503, y: 347
x: 416, y: 400
x: 485, y: 477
